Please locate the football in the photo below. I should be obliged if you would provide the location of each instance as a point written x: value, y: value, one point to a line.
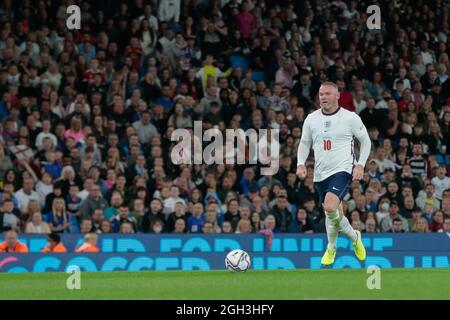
x: 237, y: 261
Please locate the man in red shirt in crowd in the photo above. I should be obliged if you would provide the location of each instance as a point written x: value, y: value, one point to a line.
x: 134, y: 51
x: 245, y: 21
x: 346, y: 98
x: 89, y: 74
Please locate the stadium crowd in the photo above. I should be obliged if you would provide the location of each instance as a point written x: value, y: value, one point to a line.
x: 87, y: 115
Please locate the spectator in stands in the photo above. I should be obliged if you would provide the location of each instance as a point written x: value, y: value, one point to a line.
x: 427, y: 196
x: 407, y: 208
x: 179, y: 226
x: 417, y: 162
x: 26, y: 194
x: 144, y: 128
x: 9, y: 216
x: 155, y: 213
x: 440, y: 181
x: 208, y: 228
x: 157, y: 226
x: 36, y: 225
x: 387, y: 223
x: 174, y: 197
x: 437, y: 225
x: 209, y: 70
x: 115, y: 201
x: 416, y: 215
x: 245, y: 20
x: 169, y: 11
x: 12, y: 244
x: 232, y: 214
x: 226, y: 227
x: 75, y: 131
x: 257, y: 223
x: 270, y: 224
x: 105, y: 227
x: 345, y: 96
x: 282, y: 214
x: 396, y: 226
x: 97, y: 218
x: 371, y: 225
x: 197, y: 219
x: 179, y: 213
x: 447, y: 225
x: 428, y: 213
x: 54, y: 244
x: 244, y: 226
x: 92, y: 202
x: 302, y: 223
x: 5, y: 162
x: 89, y: 244
x: 58, y: 218
x: 285, y: 75
x: 383, y: 162
x: 421, y: 226
x: 121, y: 217
x: 126, y: 228
x: 86, y: 226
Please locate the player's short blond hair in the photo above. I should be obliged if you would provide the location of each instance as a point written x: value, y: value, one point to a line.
x: 329, y: 83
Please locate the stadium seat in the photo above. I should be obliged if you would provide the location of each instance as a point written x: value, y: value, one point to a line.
x: 442, y: 159
x: 258, y: 76
x: 239, y: 62
x: 293, y: 211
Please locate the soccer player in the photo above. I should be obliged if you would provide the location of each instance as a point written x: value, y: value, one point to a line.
x: 331, y: 130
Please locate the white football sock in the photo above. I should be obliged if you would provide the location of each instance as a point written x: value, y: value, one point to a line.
x: 346, y: 228
x: 332, y: 226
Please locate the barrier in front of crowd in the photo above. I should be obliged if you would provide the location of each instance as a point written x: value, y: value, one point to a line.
x: 207, y: 252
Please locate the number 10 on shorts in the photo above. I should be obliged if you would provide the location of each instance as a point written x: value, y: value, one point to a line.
x: 326, y: 144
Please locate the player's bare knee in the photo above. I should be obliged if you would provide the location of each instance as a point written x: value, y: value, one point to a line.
x: 329, y: 207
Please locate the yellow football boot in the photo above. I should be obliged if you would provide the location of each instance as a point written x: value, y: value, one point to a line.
x: 328, y: 257
x: 358, y: 246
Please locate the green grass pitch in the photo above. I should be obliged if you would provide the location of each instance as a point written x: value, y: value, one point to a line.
x: 204, y: 285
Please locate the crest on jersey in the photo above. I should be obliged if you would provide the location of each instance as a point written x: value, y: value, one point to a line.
x: 327, y: 124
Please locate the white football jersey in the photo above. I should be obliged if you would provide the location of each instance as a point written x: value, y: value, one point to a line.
x: 332, y: 139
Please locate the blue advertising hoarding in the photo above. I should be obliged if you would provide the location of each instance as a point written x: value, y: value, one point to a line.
x: 207, y: 252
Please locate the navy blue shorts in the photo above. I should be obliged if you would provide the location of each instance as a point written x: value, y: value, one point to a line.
x: 338, y: 183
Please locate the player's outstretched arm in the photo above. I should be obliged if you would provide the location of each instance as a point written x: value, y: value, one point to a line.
x: 301, y: 171
x: 360, y: 132
x: 304, y: 148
